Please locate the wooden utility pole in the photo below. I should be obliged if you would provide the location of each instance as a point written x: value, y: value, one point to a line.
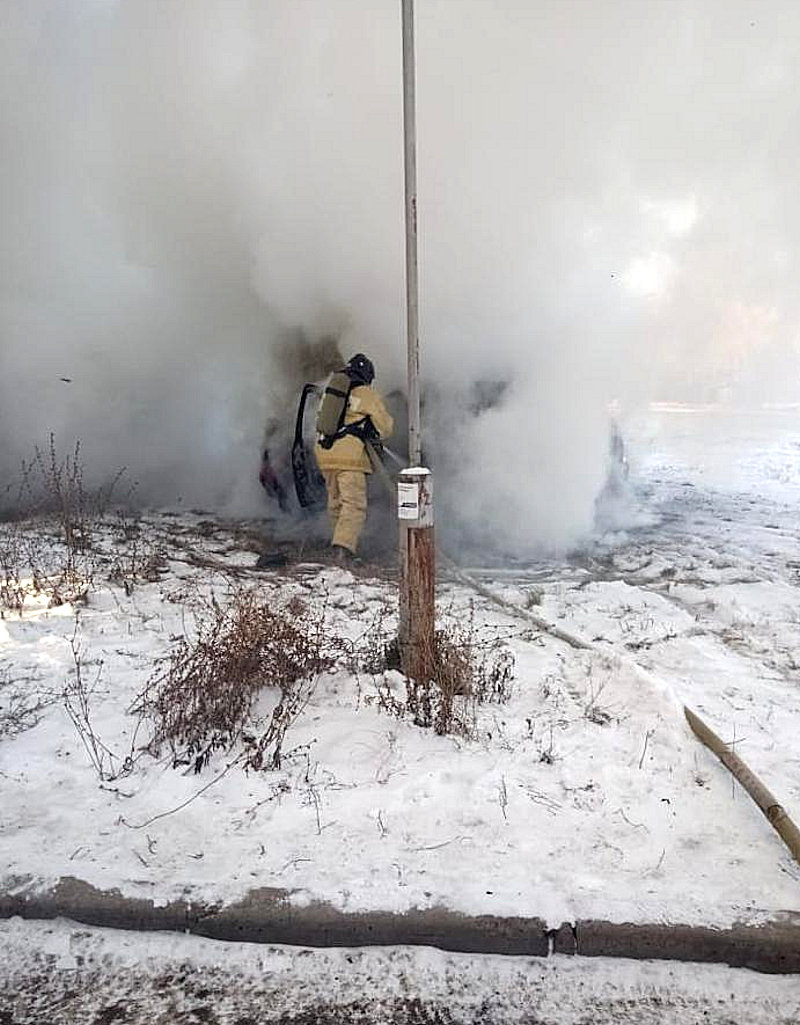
x: 417, y: 570
x: 415, y: 486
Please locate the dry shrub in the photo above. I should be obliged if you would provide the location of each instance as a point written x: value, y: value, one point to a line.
x: 136, y: 564
x: 458, y: 671
x: 15, y: 585
x: 56, y: 486
x: 377, y: 650
x: 136, y: 559
x: 49, y: 525
x: 202, y: 701
x: 77, y: 698
x: 32, y: 565
x: 28, y: 565
x: 21, y: 704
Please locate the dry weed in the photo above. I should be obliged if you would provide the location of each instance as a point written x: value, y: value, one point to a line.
x: 457, y: 672
x: 136, y: 558
x: 202, y: 700
x: 77, y: 698
x: 49, y: 528
x: 460, y: 671
x: 21, y: 703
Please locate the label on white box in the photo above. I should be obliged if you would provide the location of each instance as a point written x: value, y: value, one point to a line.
x: 407, y: 501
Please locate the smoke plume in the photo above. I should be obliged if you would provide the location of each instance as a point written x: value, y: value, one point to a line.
x: 191, y: 191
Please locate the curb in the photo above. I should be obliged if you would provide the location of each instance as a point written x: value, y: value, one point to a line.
x: 268, y: 916
x: 772, y: 947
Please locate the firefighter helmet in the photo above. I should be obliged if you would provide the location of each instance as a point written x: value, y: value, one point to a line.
x: 360, y: 369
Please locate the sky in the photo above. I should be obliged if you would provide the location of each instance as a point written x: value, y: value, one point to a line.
x: 607, y: 212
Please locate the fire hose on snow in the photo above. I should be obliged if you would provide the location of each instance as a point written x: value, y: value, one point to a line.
x: 766, y: 801
x: 769, y: 805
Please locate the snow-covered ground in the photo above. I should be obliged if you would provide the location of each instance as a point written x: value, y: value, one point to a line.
x: 584, y: 795
x: 56, y: 972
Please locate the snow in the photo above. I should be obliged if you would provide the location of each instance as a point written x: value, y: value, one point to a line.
x: 56, y: 971
x: 586, y: 795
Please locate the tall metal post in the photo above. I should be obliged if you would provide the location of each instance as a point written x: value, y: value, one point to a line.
x: 415, y: 487
x: 412, y: 290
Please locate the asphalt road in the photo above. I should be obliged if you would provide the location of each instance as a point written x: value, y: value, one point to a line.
x: 58, y: 973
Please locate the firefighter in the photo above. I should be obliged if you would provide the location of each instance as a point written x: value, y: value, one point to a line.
x: 351, y: 418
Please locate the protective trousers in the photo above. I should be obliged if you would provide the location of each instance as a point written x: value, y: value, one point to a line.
x: 347, y: 505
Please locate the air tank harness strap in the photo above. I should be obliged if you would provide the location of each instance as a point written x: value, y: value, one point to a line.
x: 361, y: 429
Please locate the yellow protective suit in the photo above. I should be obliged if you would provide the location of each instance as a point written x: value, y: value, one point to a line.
x: 345, y: 465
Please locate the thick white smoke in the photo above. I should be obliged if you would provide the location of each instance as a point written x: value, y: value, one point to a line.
x: 607, y: 211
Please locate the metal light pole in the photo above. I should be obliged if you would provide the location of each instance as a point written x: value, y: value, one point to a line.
x: 415, y: 486
x: 412, y: 289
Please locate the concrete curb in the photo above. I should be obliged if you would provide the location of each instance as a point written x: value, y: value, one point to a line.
x: 268, y: 916
x: 772, y: 947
